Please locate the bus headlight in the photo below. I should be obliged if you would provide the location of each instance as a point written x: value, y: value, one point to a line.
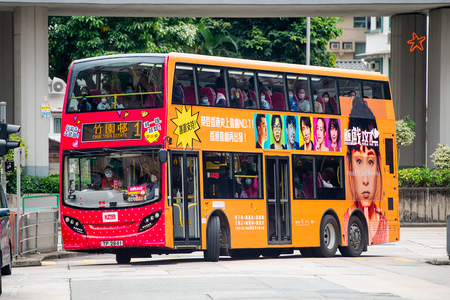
x: 74, y: 224
x: 149, y: 221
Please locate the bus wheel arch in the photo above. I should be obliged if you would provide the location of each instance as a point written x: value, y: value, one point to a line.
x: 357, y: 235
x: 330, y: 234
x: 217, y: 235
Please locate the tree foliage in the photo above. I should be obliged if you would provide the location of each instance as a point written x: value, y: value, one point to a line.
x: 74, y: 37
x: 279, y: 39
x: 276, y: 39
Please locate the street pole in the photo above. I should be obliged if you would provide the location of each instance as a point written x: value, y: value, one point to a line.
x: 3, y: 168
x: 308, y: 40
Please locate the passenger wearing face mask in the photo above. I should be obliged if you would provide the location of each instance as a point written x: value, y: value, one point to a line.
x: 103, y: 105
x: 251, y: 185
x: 264, y: 103
x: 317, y: 102
x: 235, y: 97
x: 111, y: 180
x: 130, y: 101
x: 303, y: 101
x: 83, y: 103
x: 292, y: 101
x: 204, y: 99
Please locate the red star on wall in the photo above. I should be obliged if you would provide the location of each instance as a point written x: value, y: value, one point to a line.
x: 416, y: 42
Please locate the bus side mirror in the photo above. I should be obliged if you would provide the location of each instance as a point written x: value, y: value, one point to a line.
x: 162, y: 155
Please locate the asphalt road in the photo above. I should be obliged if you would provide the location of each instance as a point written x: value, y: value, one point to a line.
x: 399, y: 270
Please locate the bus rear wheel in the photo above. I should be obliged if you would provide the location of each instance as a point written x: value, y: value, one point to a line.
x: 328, y: 237
x: 356, y: 238
x: 123, y: 258
x: 212, y: 251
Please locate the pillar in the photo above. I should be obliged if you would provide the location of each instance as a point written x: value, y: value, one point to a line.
x: 6, y: 63
x: 31, y: 84
x: 438, y: 80
x: 408, y: 80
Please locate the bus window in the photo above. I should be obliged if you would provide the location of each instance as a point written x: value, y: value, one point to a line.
x: 376, y: 90
x: 217, y: 183
x: 271, y: 87
x: 245, y: 82
x: 303, y: 170
x: 247, y: 176
x: 184, y: 85
x: 325, y: 90
x: 329, y: 177
x: 207, y: 77
x: 152, y: 82
x: 349, y: 88
x: 299, y: 85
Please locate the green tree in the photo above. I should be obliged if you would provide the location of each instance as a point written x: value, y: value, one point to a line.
x: 218, y: 44
x: 73, y: 38
x: 279, y: 39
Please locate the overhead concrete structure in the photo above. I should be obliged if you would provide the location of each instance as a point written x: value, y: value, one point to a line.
x: 24, y: 54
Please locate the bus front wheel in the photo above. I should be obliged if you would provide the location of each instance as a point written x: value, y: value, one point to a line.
x: 123, y: 258
x: 356, y: 238
x: 212, y: 251
x: 328, y: 237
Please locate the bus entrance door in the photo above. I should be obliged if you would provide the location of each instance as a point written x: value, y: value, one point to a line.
x: 278, y: 205
x: 184, y: 195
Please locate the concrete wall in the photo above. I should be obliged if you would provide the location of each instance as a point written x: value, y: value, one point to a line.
x: 424, y: 205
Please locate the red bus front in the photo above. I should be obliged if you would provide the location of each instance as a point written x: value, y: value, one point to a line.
x: 111, y: 173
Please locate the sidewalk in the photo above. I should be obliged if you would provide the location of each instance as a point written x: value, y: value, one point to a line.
x: 36, y: 259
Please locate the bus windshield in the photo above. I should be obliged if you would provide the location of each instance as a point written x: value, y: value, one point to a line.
x: 112, y: 180
x: 125, y: 84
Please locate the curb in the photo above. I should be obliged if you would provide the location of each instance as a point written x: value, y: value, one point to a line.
x: 36, y: 259
x: 439, y: 262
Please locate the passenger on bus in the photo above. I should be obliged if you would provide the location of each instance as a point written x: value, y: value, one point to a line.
x: 264, y: 103
x: 248, y: 102
x: 303, y: 103
x: 321, y: 132
x: 352, y: 94
x: 235, y: 97
x: 238, y: 188
x: 261, y: 127
x: 204, y: 99
x: 277, y: 132
x: 251, y: 185
x: 365, y: 178
x: 153, y: 189
x: 291, y: 133
x: 220, y: 81
x: 305, y: 123
x: 221, y: 100
x: 177, y: 97
x: 111, y: 180
x: 103, y: 104
x: 292, y: 101
x: 130, y: 101
x: 317, y: 102
x: 328, y: 107
x: 83, y: 102
x: 334, y: 135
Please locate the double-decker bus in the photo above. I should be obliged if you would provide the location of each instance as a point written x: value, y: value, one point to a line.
x: 180, y: 153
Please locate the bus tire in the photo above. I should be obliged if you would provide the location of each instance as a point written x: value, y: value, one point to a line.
x: 328, y: 237
x: 307, y: 252
x: 212, y: 251
x: 356, y: 238
x: 123, y: 258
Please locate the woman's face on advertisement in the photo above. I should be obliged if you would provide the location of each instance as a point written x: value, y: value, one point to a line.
x: 333, y: 134
x: 320, y: 131
x: 365, y: 175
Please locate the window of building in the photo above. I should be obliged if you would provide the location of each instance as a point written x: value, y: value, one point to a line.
x: 56, y: 125
x: 359, y: 22
x: 359, y: 49
x: 347, y: 45
x: 334, y: 45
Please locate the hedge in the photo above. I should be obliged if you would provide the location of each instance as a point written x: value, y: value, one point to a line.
x: 424, y: 177
x: 33, y: 184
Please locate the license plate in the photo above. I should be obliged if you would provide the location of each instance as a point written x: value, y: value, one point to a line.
x: 112, y: 243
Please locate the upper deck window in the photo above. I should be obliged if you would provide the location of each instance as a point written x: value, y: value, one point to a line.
x: 116, y: 84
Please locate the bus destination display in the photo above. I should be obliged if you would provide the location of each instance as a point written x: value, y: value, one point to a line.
x: 111, y: 131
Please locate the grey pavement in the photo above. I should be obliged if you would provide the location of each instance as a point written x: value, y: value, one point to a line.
x: 426, y: 243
